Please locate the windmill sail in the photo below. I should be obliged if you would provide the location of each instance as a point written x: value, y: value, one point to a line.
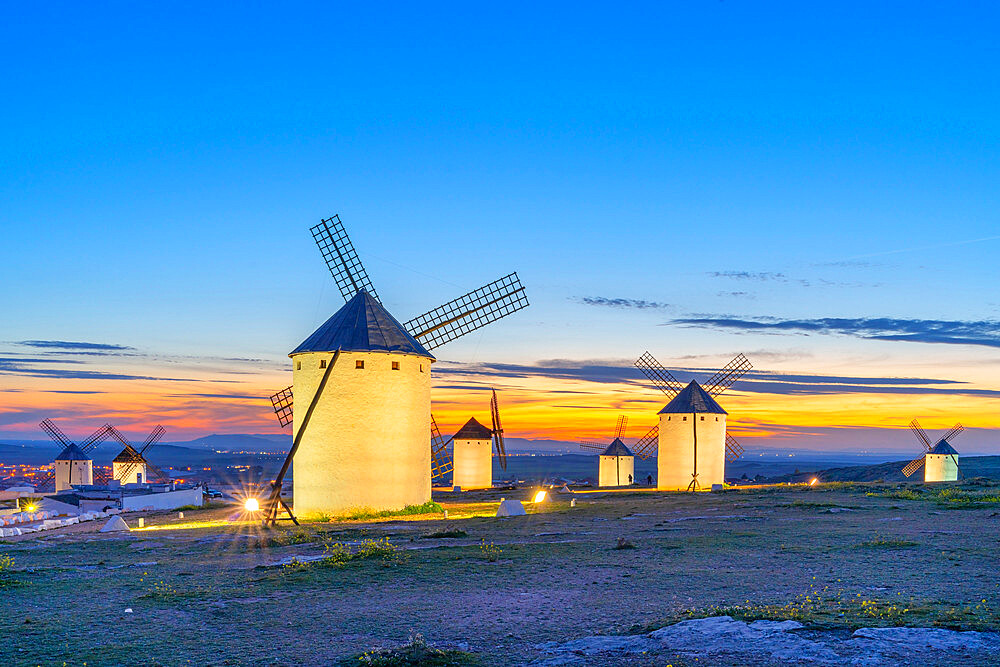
x: 498, y: 443
x: 441, y: 462
x: 647, y: 444
x: 728, y: 375
x: 281, y: 402
x: 658, y: 375
x: 469, y: 312
x: 340, y: 257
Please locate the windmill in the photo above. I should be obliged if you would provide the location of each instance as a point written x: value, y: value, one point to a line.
x: 940, y: 460
x: 73, y: 465
x: 677, y: 442
x: 616, y: 463
x: 370, y: 445
x: 131, y: 465
x: 473, y: 448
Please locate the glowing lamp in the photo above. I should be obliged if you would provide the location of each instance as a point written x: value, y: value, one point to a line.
x: 813, y: 481
x: 539, y: 497
x: 30, y: 508
x: 251, y: 505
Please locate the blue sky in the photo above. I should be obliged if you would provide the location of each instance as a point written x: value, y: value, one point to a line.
x: 664, y: 177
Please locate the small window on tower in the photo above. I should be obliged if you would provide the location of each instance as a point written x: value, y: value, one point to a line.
x: 716, y: 419
x: 421, y: 368
x: 360, y: 363
x: 668, y: 418
x: 395, y: 365
x: 703, y: 419
x: 684, y: 418
x: 298, y: 365
x: 322, y: 363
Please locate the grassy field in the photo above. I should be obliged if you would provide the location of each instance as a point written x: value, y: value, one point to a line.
x: 206, y: 591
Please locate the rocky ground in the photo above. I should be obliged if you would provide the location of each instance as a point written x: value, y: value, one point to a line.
x: 782, y: 575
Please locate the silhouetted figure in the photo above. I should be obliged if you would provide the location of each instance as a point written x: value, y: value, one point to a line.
x: 630, y: 480
x: 649, y: 480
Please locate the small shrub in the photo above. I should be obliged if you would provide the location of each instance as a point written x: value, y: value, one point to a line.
x: 7, y: 579
x: 490, y: 551
x: 879, y: 542
x: 447, y: 533
x: 362, y: 513
x: 416, y: 652
x: 623, y: 544
x: 287, y: 538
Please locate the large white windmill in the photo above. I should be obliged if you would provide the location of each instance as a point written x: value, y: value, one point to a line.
x: 940, y: 460
x: 363, y: 439
x: 692, y: 444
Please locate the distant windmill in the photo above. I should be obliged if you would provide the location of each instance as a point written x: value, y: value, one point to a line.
x: 131, y: 466
x: 471, y: 451
x: 616, y: 462
x: 940, y: 461
x: 73, y: 465
x: 367, y: 443
x: 678, y: 444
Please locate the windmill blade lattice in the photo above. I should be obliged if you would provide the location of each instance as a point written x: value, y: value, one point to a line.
x: 340, y: 257
x: 469, y: 312
x: 921, y: 434
x: 734, y: 450
x: 55, y: 433
x: 913, y: 466
x: 646, y: 446
x: 728, y: 375
x: 593, y: 446
x: 281, y: 402
x: 498, y: 443
x: 441, y: 462
x: 658, y: 375
x: 955, y: 430
x: 621, y: 426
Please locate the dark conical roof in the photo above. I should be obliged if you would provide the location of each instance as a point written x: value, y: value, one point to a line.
x: 129, y: 455
x: 942, y: 447
x: 617, y: 448
x: 72, y: 453
x: 362, y: 325
x: 473, y: 430
x: 693, y: 399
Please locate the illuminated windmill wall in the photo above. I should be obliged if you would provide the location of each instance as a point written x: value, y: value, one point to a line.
x: 362, y: 437
x: 693, y: 445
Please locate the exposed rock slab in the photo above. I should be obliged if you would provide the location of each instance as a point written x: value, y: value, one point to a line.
x: 724, y: 640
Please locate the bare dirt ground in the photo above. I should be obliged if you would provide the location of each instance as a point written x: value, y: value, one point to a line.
x: 202, y: 591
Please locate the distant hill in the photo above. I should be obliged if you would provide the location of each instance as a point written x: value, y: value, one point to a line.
x: 972, y: 466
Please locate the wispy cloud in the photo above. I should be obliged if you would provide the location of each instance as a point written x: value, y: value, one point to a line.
x: 954, y: 332
x: 749, y: 275
x: 73, y: 345
x: 760, y: 382
x: 638, y: 304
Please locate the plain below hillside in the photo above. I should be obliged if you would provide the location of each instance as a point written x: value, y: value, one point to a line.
x: 971, y: 466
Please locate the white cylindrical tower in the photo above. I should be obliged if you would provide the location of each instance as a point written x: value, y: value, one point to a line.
x: 941, y: 463
x: 472, y: 450
x: 73, y: 467
x: 692, y: 442
x: 616, y: 465
x: 367, y: 441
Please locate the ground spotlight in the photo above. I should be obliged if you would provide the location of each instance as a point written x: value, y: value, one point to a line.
x: 813, y: 481
x: 251, y: 505
x: 539, y: 497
